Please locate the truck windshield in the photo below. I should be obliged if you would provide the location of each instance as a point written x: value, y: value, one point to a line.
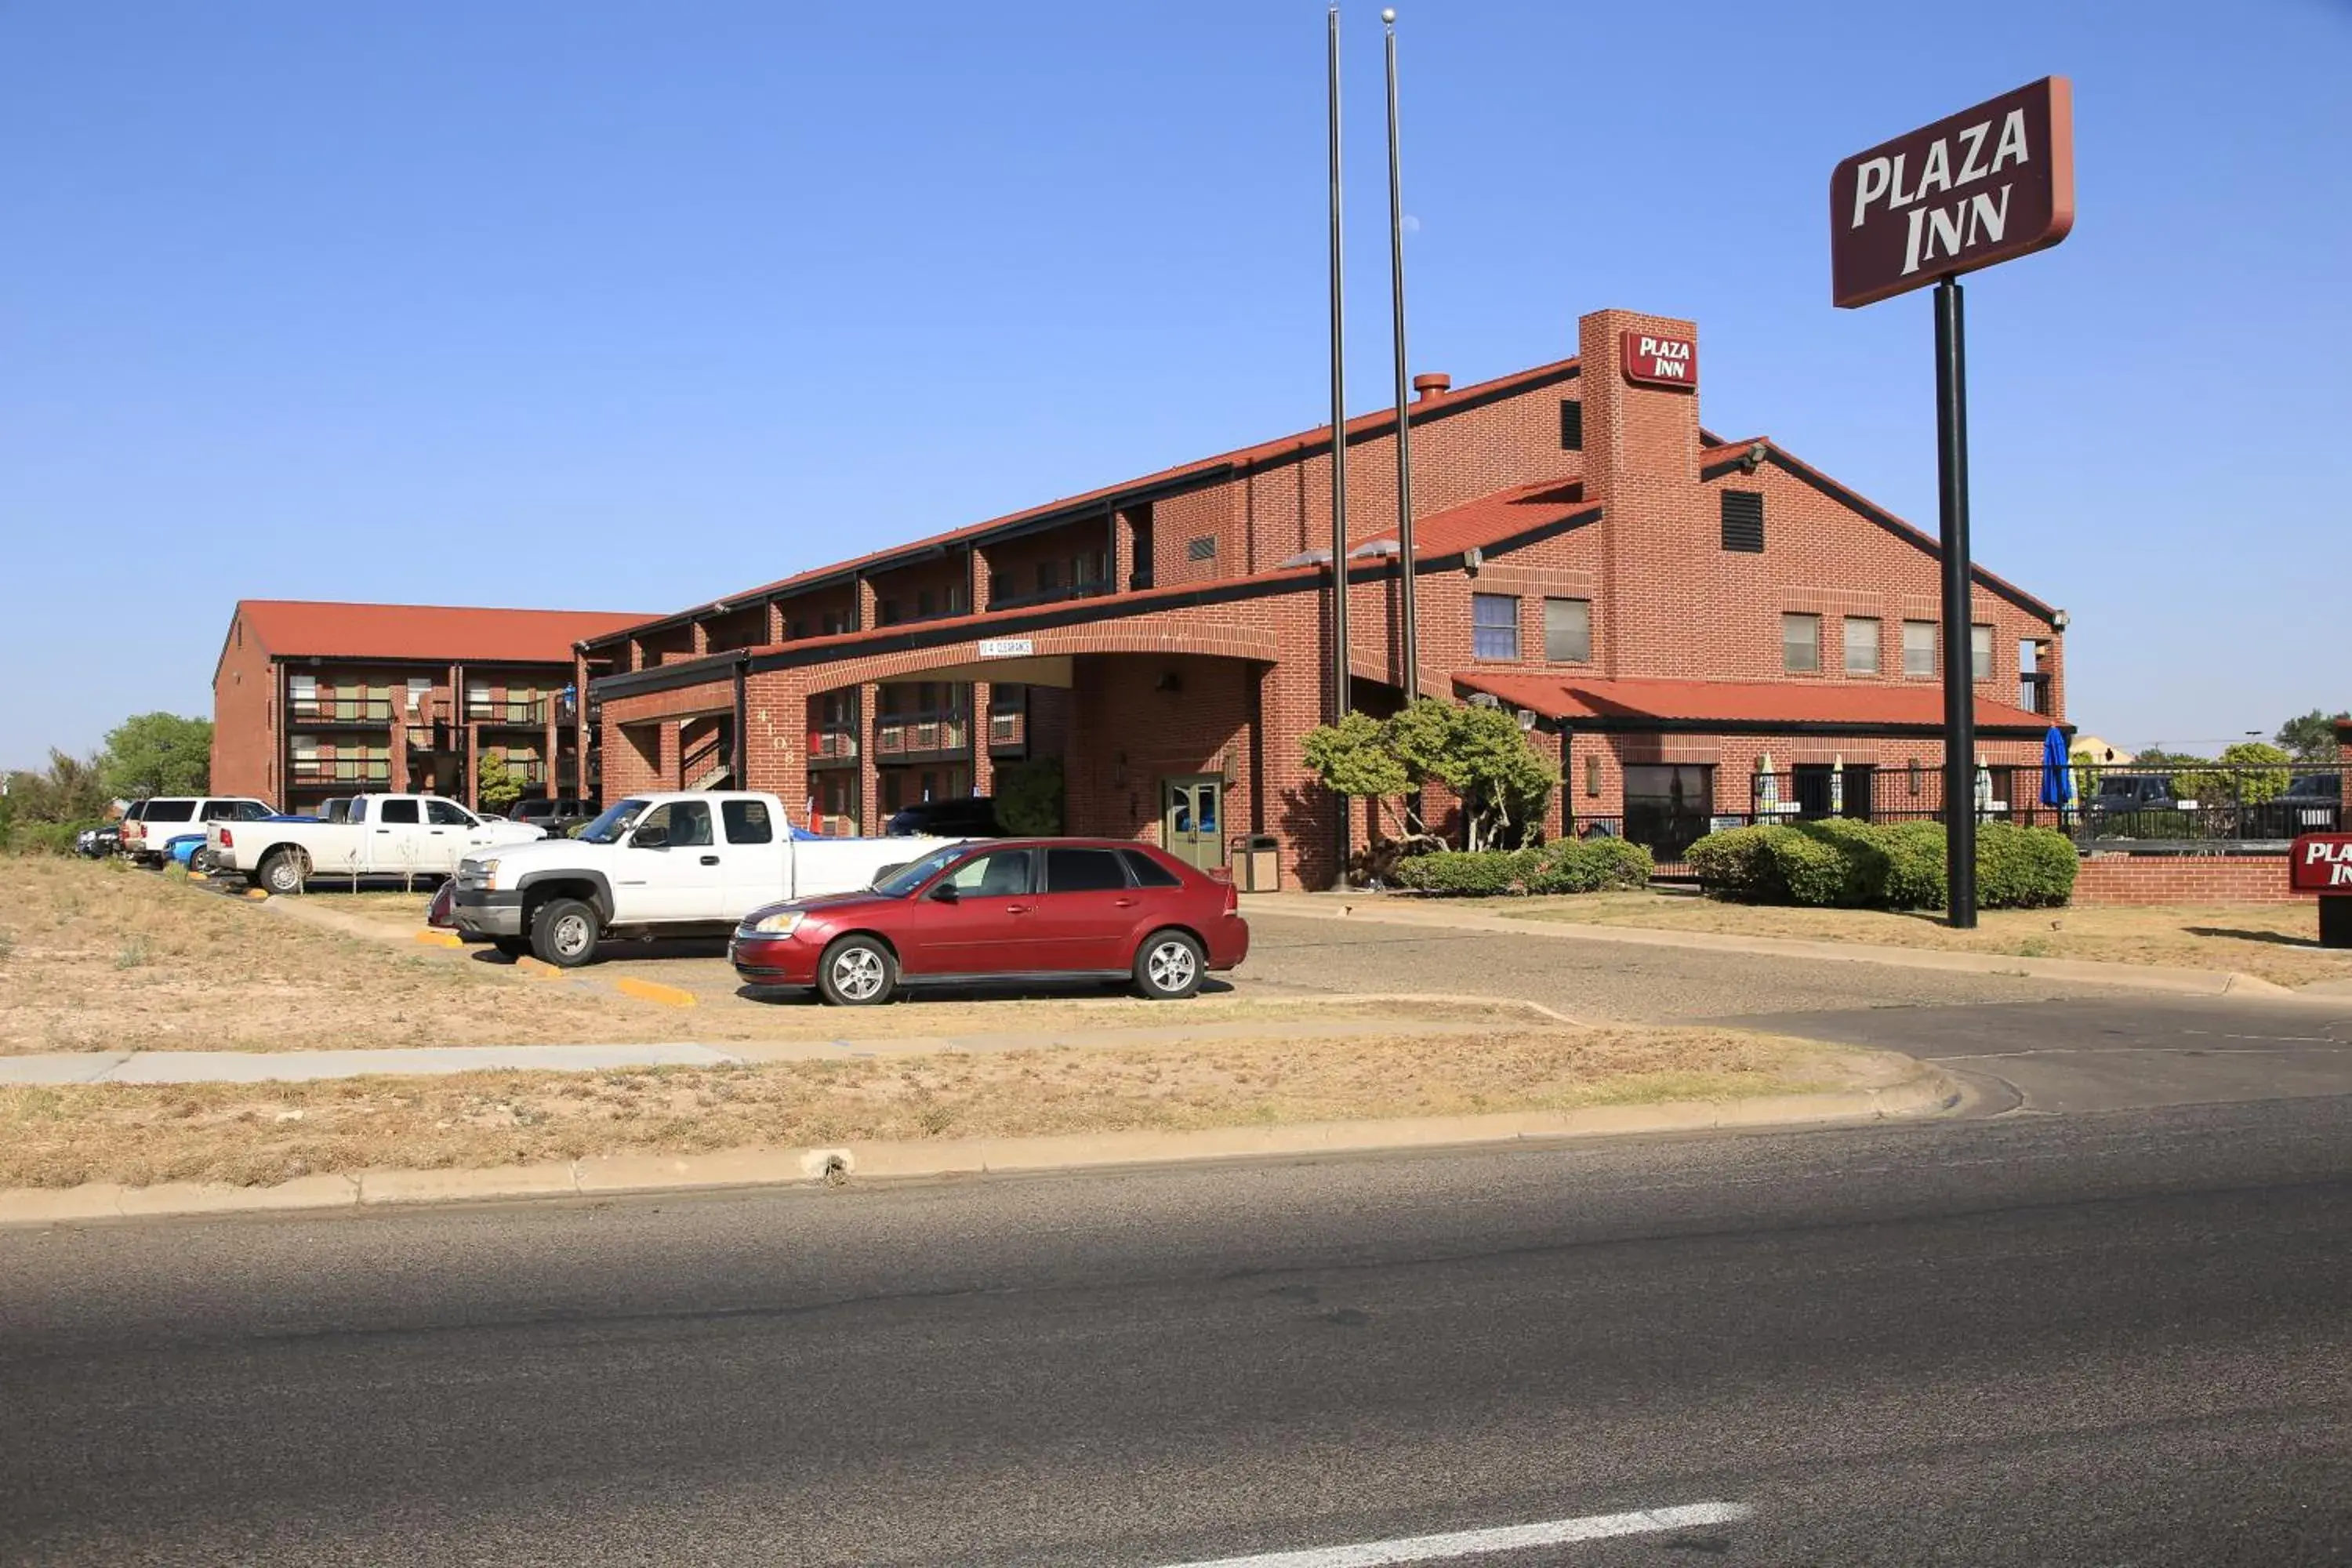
x: 616, y: 820
x: 903, y: 881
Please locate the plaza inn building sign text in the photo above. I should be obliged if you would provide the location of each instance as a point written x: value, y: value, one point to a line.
x: 1986, y: 185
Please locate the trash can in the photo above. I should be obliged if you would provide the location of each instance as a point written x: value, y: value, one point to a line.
x: 1260, y: 863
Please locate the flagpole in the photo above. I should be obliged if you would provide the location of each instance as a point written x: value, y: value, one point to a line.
x: 1342, y: 699
x: 1407, y: 621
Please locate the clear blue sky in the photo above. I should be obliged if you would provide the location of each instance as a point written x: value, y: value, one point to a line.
x: 621, y: 307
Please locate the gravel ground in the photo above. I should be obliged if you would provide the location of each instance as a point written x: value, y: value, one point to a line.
x: 1594, y: 981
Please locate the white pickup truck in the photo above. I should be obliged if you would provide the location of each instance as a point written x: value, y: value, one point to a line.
x: 680, y: 864
x: 402, y: 836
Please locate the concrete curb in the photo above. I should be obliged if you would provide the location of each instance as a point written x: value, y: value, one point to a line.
x: 2166, y: 978
x: 1924, y: 1092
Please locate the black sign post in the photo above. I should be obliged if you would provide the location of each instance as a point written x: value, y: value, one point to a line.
x: 1977, y: 188
x: 1959, y: 639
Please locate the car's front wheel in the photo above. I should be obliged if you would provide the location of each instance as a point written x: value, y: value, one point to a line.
x: 857, y: 972
x: 1169, y: 966
x: 563, y: 933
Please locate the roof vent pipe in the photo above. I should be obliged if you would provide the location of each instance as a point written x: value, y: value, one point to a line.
x: 1432, y: 383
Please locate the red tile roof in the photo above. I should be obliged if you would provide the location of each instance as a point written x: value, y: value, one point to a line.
x: 1858, y: 703
x: 1264, y: 451
x: 1492, y: 519
x: 296, y: 629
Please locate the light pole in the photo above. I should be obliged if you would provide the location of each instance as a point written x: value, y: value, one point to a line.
x: 1408, y: 628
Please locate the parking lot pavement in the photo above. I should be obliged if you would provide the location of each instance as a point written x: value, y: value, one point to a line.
x: 1618, y: 982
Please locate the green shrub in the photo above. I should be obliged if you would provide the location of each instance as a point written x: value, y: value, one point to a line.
x: 1856, y: 864
x: 1470, y: 873
x: 1590, y: 865
x: 2023, y: 868
x: 1029, y: 797
x: 1732, y: 864
x: 43, y: 837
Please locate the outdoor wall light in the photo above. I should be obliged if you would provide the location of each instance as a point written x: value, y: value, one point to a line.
x: 1592, y: 775
x: 1472, y: 559
x: 1527, y: 718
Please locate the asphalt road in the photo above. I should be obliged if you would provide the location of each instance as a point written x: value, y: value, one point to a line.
x: 2101, y: 1339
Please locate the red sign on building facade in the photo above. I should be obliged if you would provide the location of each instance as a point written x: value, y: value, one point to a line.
x: 1986, y: 185
x: 1654, y: 361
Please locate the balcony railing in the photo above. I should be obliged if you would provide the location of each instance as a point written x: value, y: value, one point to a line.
x: 2034, y: 693
x: 833, y: 743
x: 332, y: 710
x: 512, y: 711
x: 1068, y: 590
x: 915, y: 735
x: 338, y: 769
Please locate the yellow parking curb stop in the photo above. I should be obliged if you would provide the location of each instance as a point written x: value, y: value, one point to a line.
x: 653, y: 990
x: 440, y: 939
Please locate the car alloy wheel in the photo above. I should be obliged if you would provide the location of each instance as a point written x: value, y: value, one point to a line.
x: 1169, y: 966
x: 857, y: 973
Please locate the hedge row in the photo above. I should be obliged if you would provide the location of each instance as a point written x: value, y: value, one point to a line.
x: 1899, y: 866
x: 1564, y: 865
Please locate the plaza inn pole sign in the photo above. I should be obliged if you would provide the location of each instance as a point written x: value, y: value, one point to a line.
x: 1982, y: 186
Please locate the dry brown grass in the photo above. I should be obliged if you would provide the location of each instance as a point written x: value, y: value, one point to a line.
x: 2278, y: 943
x: 101, y: 957
x: 250, y: 1134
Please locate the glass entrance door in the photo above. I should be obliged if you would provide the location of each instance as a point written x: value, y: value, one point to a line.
x: 1191, y: 820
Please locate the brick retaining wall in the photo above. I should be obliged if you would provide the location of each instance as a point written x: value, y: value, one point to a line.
x: 2185, y: 879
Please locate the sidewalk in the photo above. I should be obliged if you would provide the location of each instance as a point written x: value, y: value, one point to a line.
x: 1439, y: 914
x: 299, y: 1066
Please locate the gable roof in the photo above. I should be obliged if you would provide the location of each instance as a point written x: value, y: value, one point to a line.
x: 1241, y: 461
x: 299, y: 628
x: 1490, y: 520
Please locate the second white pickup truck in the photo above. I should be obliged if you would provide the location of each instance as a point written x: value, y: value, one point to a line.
x: 680, y: 864
x: 402, y: 836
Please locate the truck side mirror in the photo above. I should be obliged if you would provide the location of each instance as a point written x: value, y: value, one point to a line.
x: 654, y: 836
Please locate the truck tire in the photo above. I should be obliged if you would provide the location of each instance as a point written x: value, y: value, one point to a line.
x: 1168, y: 966
x: 284, y: 871
x: 563, y: 933
x: 857, y: 972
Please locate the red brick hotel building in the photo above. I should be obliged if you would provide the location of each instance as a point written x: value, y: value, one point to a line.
x: 1664, y: 606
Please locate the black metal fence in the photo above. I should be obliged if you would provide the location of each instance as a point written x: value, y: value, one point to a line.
x: 2199, y: 810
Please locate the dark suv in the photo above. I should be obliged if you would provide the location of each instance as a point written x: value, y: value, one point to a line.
x: 2312, y: 802
x: 558, y: 817
x: 973, y: 816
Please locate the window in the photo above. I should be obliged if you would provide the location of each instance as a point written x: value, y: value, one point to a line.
x: 1494, y: 627
x: 1049, y: 576
x: 1568, y: 630
x: 687, y: 823
x: 302, y: 694
x: 1083, y: 871
x: 402, y: 811
x: 1572, y: 424
x: 1920, y: 648
x: 418, y: 686
x: 885, y: 613
x: 1743, y: 522
x: 1669, y: 806
x: 1860, y: 645
x: 836, y: 622
x: 447, y: 813
x: 1002, y: 874
x: 1148, y: 872
x: 170, y: 811
x: 1800, y: 644
x: 747, y: 822
x: 1979, y: 653
x: 927, y: 603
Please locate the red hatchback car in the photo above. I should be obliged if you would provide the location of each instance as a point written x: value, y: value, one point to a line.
x: 1004, y: 909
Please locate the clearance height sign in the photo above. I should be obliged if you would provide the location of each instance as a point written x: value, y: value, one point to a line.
x: 1982, y: 186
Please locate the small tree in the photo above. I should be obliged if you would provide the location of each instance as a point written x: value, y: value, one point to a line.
x: 1502, y: 779
x: 1480, y: 753
x: 1355, y: 758
x: 157, y: 754
x: 496, y: 785
x: 2249, y: 773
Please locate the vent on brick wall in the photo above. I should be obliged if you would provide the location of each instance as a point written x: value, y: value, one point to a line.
x: 1743, y: 522
x: 1572, y: 424
x: 1201, y: 549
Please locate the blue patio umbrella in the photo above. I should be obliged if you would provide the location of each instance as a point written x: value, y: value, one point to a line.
x: 2057, y: 776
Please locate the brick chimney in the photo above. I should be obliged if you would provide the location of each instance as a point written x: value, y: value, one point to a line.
x: 1641, y: 464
